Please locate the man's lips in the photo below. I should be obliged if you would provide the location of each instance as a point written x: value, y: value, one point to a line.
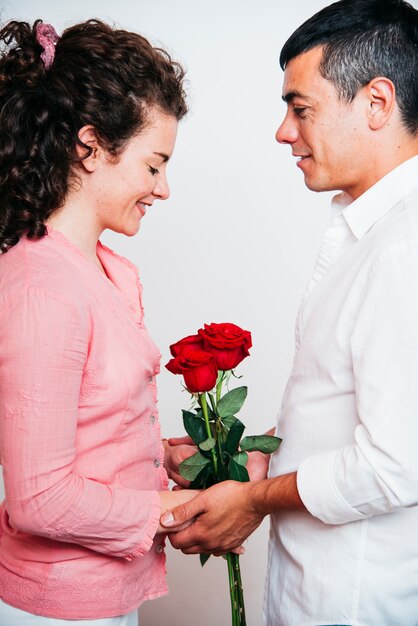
x: 142, y: 206
x: 302, y: 158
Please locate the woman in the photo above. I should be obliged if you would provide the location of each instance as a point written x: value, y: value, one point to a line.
x: 87, y: 125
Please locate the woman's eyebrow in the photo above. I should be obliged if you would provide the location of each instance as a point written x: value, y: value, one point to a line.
x: 164, y: 156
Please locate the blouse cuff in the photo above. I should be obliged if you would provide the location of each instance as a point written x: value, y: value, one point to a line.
x: 151, y: 530
x: 319, y: 493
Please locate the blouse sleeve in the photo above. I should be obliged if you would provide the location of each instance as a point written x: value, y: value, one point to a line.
x: 43, y: 349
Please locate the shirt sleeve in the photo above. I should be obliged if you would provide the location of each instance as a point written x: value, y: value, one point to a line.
x: 379, y: 472
x: 44, y: 343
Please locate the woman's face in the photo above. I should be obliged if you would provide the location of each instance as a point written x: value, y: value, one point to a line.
x: 123, y: 189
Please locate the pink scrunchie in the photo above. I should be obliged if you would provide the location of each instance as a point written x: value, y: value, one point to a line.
x: 47, y: 38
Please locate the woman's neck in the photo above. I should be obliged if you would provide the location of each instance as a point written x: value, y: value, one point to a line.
x: 76, y: 225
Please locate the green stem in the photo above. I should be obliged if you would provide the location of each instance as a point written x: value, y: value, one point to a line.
x: 219, y: 388
x: 232, y: 590
x: 208, y: 430
x: 212, y: 402
x: 218, y: 429
x: 240, y: 593
x: 218, y: 426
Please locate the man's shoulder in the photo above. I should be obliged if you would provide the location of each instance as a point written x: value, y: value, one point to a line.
x: 398, y: 229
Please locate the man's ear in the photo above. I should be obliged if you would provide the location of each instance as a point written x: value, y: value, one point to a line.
x: 87, y: 137
x: 381, y: 95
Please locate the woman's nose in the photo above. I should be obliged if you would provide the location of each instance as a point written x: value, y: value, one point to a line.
x: 162, y: 190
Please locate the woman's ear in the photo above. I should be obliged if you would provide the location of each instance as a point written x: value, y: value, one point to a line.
x: 382, y: 100
x: 87, y: 139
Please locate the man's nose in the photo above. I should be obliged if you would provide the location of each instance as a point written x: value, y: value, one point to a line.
x: 287, y: 131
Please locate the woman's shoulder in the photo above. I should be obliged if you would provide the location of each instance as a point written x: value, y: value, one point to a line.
x: 38, y: 265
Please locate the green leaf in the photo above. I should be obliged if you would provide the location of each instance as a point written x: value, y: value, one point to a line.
x: 229, y: 420
x: 211, y: 414
x: 208, y: 444
x: 234, y: 437
x: 223, y: 473
x: 238, y: 472
x: 241, y: 458
x: 195, y: 427
x: 191, y: 467
x: 260, y: 443
x: 203, y: 558
x: 204, y: 479
x: 232, y: 401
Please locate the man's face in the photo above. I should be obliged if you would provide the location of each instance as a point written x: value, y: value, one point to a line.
x: 329, y: 136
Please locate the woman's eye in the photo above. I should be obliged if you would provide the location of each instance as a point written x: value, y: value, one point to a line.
x: 153, y: 170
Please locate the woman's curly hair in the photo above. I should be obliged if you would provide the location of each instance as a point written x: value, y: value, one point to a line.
x: 101, y: 76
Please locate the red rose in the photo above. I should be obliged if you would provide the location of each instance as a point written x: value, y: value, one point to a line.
x: 197, y: 367
x: 192, y: 341
x: 228, y: 343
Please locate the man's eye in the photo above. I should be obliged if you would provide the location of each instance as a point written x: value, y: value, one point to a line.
x: 299, y: 111
x: 153, y: 170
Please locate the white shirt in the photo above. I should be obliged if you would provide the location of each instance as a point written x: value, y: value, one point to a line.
x: 349, y: 423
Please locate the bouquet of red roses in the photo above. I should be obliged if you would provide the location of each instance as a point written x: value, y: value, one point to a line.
x: 206, y: 361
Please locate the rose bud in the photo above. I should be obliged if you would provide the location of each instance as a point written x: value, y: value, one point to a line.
x: 192, y: 341
x: 197, y: 367
x: 228, y: 343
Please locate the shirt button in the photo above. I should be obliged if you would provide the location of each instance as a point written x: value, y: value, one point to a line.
x: 159, y: 548
x: 150, y: 379
x: 157, y: 463
x: 152, y: 418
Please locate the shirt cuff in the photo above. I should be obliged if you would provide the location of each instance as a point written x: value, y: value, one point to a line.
x: 319, y: 493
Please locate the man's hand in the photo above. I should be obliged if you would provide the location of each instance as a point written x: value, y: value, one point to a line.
x: 176, y: 450
x: 225, y: 517
x: 227, y: 513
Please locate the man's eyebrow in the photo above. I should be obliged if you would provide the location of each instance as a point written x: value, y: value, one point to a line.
x: 164, y: 156
x: 291, y: 95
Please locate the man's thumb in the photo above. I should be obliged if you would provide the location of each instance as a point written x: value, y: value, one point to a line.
x: 168, y: 519
x: 178, y: 516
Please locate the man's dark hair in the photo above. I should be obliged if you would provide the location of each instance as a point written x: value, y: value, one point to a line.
x: 364, y: 39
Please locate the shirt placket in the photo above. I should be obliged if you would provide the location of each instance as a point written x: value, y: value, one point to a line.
x: 333, y: 245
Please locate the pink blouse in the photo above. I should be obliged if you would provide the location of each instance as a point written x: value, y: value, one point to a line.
x: 80, y: 439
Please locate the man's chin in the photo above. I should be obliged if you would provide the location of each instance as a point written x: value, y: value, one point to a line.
x: 313, y: 185
x: 316, y: 185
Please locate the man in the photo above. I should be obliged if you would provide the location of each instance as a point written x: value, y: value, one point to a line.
x: 342, y: 490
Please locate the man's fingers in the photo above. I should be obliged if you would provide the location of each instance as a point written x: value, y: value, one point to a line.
x: 181, y: 527
x: 240, y: 550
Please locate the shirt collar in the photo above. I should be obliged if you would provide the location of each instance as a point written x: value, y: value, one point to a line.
x: 361, y: 214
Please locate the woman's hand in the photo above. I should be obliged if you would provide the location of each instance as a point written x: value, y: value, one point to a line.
x: 258, y: 462
x: 171, y: 499
x: 176, y: 450
x: 258, y: 465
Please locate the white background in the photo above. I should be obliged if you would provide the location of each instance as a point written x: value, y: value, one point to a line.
x: 235, y: 242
